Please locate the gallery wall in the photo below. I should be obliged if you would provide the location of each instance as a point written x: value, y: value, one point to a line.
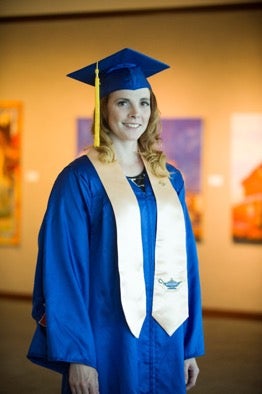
x: 216, y: 62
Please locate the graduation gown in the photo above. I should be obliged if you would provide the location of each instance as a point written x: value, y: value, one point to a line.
x: 76, y: 299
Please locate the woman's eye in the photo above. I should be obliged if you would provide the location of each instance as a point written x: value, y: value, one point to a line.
x: 121, y: 103
x: 145, y: 103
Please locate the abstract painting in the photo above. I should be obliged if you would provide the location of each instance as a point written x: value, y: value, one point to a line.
x: 246, y: 177
x: 10, y: 171
x: 182, y: 143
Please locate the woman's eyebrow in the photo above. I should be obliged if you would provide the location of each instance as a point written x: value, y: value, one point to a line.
x: 122, y: 98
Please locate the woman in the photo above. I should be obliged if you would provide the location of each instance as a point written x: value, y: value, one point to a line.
x: 117, y: 294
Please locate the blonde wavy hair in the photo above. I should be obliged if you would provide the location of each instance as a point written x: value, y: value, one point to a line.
x: 149, y: 143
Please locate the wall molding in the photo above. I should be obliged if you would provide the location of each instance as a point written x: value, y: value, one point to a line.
x: 207, y: 312
x: 231, y: 314
x: 5, y: 295
x: 253, y: 5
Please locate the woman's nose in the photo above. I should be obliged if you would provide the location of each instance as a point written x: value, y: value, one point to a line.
x: 134, y: 112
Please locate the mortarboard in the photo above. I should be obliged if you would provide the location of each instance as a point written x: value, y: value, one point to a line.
x: 126, y: 69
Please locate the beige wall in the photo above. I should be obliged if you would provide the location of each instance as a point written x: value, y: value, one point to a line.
x: 216, y: 71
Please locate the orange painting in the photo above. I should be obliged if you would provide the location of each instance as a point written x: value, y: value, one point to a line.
x: 10, y: 172
x: 247, y: 178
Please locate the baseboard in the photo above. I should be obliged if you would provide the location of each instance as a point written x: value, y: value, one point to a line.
x: 15, y: 296
x: 231, y: 314
x: 207, y: 312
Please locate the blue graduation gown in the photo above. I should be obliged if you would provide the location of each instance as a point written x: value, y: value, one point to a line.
x: 77, y: 288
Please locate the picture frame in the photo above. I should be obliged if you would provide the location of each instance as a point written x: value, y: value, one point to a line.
x: 10, y: 172
x: 246, y: 178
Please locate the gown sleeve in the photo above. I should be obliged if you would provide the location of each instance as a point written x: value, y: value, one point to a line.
x: 193, y: 326
x: 61, y: 295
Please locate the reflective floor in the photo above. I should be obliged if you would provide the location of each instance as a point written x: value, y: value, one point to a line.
x: 232, y: 364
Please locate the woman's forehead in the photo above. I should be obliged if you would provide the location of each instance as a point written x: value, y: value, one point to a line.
x: 128, y: 93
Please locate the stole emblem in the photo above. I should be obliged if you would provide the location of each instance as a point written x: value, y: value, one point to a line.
x: 171, y: 284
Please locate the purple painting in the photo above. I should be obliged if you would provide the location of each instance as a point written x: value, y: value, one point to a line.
x: 182, y: 143
x: 84, y: 134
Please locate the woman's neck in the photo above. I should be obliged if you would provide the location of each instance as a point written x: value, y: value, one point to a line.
x: 128, y: 157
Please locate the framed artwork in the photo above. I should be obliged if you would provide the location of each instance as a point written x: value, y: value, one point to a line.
x: 246, y: 178
x: 10, y: 171
x: 182, y: 143
x: 84, y: 134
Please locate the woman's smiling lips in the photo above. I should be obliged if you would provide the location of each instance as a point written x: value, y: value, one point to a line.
x: 132, y: 125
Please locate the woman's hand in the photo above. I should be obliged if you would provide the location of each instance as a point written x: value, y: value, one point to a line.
x: 191, y: 371
x: 83, y: 379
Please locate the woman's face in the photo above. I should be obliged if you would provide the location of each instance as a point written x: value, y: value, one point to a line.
x: 128, y: 113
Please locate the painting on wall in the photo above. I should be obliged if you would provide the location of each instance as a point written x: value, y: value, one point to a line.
x: 182, y: 143
x: 10, y: 172
x: 84, y: 135
x: 246, y: 178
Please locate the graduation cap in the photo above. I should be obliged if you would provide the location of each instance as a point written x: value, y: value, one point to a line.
x: 126, y: 69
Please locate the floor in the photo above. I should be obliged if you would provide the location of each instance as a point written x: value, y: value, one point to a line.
x: 232, y: 364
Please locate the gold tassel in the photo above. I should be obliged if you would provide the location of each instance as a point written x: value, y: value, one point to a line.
x: 97, y: 108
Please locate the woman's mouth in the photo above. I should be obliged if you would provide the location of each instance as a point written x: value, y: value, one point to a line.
x: 132, y: 125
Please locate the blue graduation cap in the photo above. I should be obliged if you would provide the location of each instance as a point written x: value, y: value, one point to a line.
x: 126, y: 69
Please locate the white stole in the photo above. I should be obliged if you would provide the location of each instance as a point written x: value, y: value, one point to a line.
x: 170, y: 299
